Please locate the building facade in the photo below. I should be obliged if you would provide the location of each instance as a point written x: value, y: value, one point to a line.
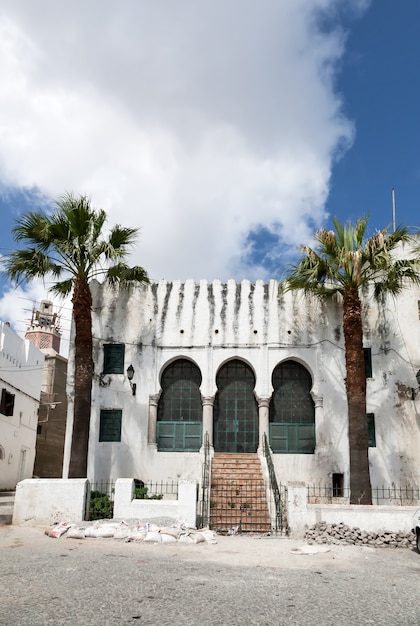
x: 21, y: 366
x: 178, y: 362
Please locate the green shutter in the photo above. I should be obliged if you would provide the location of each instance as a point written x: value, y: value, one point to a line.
x: 110, y: 425
x: 292, y: 438
x: 179, y: 436
x: 371, y: 430
x: 114, y: 358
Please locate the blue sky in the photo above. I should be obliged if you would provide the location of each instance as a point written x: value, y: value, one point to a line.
x: 228, y: 131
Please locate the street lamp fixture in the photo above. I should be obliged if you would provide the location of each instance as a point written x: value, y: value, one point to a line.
x: 130, y: 374
x: 415, y: 391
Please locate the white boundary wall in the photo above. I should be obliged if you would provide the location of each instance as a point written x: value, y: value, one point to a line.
x: 372, y: 518
x: 184, y: 508
x: 49, y: 500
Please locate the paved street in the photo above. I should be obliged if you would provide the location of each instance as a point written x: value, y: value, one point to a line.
x: 240, y: 580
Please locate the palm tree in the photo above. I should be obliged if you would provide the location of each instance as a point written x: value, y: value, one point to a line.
x: 344, y: 262
x: 69, y: 245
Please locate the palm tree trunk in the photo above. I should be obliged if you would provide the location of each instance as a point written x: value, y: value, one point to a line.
x: 360, y: 486
x: 83, y: 374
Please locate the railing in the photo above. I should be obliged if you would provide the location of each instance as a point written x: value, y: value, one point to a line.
x: 100, y: 503
x: 205, y: 484
x: 274, y: 486
x: 152, y: 489
x: 397, y: 496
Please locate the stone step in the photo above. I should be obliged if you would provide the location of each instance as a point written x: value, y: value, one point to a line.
x: 7, y: 501
x: 237, y: 494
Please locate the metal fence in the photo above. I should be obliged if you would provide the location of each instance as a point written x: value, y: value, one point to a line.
x: 100, y: 503
x: 384, y: 495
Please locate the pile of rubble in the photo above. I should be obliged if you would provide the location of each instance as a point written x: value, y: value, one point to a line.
x: 132, y: 530
x: 343, y: 534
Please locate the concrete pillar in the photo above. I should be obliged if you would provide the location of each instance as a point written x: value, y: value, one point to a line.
x: 297, y: 519
x: 151, y: 430
x: 263, y: 421
x: 208, y: 404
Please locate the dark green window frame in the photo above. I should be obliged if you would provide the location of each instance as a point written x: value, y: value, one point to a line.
x: 292, y: 410
x: 371, y: 430
x: 367, y: 353
x: 180, y: 400
x: 114, y: 354
x: 110, y: 425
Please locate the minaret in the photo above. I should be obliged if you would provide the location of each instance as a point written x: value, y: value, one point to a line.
x: 44, y: 331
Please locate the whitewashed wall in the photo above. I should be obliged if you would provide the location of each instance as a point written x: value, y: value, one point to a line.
x: 210, y: 323
x: 21, y: 367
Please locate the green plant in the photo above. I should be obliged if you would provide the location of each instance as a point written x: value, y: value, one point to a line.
x: 101, y: 506
x: 140, y: 493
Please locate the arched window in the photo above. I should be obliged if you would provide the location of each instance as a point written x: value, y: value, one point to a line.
x: 179, y: 414
x: 235, y: 409
x: 292, y: 411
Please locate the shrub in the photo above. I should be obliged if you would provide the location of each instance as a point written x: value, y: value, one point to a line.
x: 140, y: 493
x: 101, y: 506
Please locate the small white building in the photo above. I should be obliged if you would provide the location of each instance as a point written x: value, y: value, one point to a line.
x: 21, y: 367
x: 237, y: 361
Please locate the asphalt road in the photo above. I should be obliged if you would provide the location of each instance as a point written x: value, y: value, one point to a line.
x: 240, y: 580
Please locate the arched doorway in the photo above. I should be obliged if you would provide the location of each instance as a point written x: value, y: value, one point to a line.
x: 235, y: 409
x: 292, y: 410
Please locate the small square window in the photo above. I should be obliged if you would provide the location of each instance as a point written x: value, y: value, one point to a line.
x: 114, y: 358
x: 367, y: 352
x: 371, y: 430
x: 110, y: 425
x: 7, y: 403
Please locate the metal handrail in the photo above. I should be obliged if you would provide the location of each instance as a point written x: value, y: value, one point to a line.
x: 273, y: 484
x: 205, y: 483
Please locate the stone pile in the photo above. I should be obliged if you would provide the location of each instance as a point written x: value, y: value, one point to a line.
x: 343, y: 534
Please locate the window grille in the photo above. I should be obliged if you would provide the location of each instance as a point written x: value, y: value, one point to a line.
x: 292, y: 411
x: 235, y: 409
x: 180, y: 399
x: 179, y: 425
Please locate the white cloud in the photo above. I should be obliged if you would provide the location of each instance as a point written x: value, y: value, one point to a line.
x: 196, y: 121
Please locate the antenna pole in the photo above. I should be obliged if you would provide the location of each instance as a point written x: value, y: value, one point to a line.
x: 393, y: 209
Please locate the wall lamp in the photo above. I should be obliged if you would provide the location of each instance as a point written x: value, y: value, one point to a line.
x: 130, y: 374
x: 415, y: 391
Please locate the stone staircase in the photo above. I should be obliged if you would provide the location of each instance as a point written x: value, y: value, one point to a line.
x: 238, y: 500
x: 7, y: 501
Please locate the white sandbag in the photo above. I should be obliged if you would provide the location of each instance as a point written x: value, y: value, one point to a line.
x: 209, y: 535
x: 185, y: 539
x: 58, y: 530
x: 137, y: 535
x: 168, y: 538
x: 198, y: 537
x: 76, y: 533
x: 172, y: 532
x: 123, y: 532
x: 153, y: 537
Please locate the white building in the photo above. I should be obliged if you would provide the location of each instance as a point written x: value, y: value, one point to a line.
x: 237, y: 361
x: 21, y: 367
